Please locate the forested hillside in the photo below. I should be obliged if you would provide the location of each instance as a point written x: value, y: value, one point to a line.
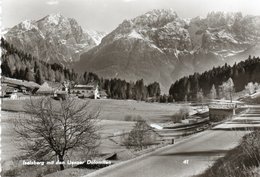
x: 21, y: 65
x: 190, y: 87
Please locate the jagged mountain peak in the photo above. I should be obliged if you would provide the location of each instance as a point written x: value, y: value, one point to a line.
x: 160, y: 29
x: 53, y: 18
x: 155, y: 18
x: 57, y: 21
x: 56, y: 15
x: 53, y: 38
x: 217, y: 19
x: 223, y: 14
x: 159, y: 45
x: 160, y: 14
x: 26, y: 25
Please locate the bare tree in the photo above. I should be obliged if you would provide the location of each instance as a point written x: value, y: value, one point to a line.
x: 200, y: 97
x: 57, y: 128
x: 139, y: 137
x: 228, y: 88
x: 213, y: 92
x: 182, y: 114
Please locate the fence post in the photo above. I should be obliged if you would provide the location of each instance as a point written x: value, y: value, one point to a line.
x: 173, y: 141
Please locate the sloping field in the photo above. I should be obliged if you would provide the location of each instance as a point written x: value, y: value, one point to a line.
x: 115, y: 109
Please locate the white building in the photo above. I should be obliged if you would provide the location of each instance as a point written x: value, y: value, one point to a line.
x: 86, y: 91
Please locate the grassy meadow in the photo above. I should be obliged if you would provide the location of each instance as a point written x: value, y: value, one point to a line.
x: 115, y: 109
x: 116, y: 117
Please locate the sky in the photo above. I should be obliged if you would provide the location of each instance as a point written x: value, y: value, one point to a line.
x: 106, y: 15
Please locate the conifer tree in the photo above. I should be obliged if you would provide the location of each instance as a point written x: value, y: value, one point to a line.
x: 38, y: 77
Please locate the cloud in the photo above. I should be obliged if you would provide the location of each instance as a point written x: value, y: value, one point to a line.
x: 52, y: 2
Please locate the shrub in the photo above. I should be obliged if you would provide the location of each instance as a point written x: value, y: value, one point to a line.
x: 182, y: 114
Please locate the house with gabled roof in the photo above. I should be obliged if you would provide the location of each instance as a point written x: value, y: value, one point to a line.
x: 52, y: 88
x: 90, y: 90
x: 20, y: 85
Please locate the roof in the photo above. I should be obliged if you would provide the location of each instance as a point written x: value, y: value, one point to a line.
x: 87, y: 86
x: 49, y: 87
x: 23, y: 88
x: 27, y: 84
x: 54, y: 85
x: 45, y: 88
x: 83, y: 86
x: 6, y: 88
x: 102, y: 93
x: 222, y: 106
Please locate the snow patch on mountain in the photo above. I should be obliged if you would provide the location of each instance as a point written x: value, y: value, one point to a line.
x: 226, y: 36
x: 54, y: 18
x: 154, y: 46
x: 96, y: 35
x: 136, y: 35
x: 187, y: 20
x: 3, y: 31
x: 28, y: 25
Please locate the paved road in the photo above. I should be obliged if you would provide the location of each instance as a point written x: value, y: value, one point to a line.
x: 188, y: 157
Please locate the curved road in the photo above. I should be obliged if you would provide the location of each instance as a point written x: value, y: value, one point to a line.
x: 188, y: 157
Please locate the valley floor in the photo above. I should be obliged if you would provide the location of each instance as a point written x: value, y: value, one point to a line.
x: 113, y: 123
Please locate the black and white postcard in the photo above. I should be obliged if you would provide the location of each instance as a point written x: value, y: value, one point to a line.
x: 130, y: 88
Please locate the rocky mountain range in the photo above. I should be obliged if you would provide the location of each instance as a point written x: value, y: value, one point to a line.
x: 53, y: 38
x: 161, y: 46
x: 156, y: 46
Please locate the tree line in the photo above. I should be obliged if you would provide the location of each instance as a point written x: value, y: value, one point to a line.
x: 21, y: 65
x: 121, y: 89
x: 209, y: 84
